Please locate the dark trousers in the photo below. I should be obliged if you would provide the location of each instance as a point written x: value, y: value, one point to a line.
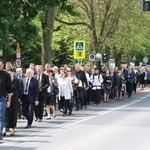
x: 19, y: 110
x: 112, y: 95
x: 85, y: 97
x: 97, y: 96
x: 67, y: 106
x: 80, y: 99
x: 39, y: 108
x: 61, y: 102
x: 27, y: 109
x: 134, y: 87
x: 12, y: 114
x: 90, y: 95
x: 129, y: 87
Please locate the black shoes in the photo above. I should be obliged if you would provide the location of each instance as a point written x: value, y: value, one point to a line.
x: 48, y: 118
x: 81, y: 108
x: 28, y: 126
x: 40, y: 120
x: 4, y: 134
x: 63, y: 115
x: 12, y: 133
x: 36, y: 119
x: 76, y: 109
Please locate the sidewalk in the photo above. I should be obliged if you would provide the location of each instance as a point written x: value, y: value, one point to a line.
x: 146, y: 89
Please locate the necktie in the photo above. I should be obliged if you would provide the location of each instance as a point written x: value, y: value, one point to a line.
x: 39, y: 78
x: 27, y: 84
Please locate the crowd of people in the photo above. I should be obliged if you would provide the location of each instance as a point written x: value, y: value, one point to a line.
x: 36, y: 93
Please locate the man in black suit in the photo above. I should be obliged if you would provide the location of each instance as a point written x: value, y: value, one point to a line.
x: 129, y: 77
x: 30, y: 96
x: 79, y: 96
x: 20, y: 77
x: 43, y: 84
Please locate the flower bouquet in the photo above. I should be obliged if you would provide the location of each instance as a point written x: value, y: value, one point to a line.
x: 39, y: 86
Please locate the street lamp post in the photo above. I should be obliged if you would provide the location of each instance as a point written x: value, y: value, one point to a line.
x: 98, y: 57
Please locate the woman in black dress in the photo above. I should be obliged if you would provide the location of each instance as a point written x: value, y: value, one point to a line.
x: 142, y: 76
x: 119, y: 80
x: 12, y: 110
x: 107, y: 85
x: 51, y: 97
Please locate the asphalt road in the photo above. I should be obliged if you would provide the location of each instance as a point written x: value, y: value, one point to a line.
x: 117, y: 125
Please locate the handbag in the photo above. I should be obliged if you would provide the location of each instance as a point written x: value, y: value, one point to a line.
x: 55, y: 90
x: 108, y: 87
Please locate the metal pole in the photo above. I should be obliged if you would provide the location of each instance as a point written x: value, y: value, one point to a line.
x: 99, y: 64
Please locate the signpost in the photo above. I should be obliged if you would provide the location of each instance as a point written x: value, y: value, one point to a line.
x: 18, y: 63
x: 134, y: 59
x: 18, y: 56
x: 145, y: 60
x: 79, y: 50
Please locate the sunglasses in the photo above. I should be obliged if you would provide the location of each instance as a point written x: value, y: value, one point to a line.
x: 50, y: 71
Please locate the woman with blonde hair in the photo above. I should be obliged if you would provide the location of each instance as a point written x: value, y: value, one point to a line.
x: 65, y: 92
x: 142, y: 77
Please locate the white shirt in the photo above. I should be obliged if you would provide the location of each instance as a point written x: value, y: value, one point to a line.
x: 27, y: 85
x: 96, y: 81
x: 57, y: 76
x: 62, y: 87
x: 49, y: 88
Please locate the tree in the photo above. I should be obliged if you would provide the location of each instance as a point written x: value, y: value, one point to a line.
x: 25, y: 11
x: 111, y: 23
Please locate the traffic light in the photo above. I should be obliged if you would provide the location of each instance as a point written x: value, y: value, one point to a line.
x: 107, y: 51
x: 105, y: 57
x: 146, y: 5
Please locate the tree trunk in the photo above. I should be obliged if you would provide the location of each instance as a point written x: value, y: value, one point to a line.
x: 94, y: 34
x: 47, y: 33
x: 128, y: 59
x: 119, y: 57
x: 6, y: 55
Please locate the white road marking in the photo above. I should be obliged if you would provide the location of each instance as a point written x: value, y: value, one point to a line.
x: 65, y: 125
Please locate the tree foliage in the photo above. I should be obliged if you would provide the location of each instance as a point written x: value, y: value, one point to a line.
x: 121, y: 25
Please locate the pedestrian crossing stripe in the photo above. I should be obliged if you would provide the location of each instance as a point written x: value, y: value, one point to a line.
x: 79, y: 49
x: 79, y: 45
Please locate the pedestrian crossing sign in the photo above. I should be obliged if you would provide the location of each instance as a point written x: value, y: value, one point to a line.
x: 79, y: 49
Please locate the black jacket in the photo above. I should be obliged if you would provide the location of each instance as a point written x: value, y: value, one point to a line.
x: 5, y: 83
x: 44, y: 84
x: 16, y: 90
x: 81, y: 76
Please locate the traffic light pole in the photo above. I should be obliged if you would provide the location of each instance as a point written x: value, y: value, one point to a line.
x: 146, y: 5
x: 99, y: 66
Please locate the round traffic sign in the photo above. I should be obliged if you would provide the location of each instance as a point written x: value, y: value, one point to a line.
x: 145, y: 59
x: 18, y: 63
x: 92, y: 57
